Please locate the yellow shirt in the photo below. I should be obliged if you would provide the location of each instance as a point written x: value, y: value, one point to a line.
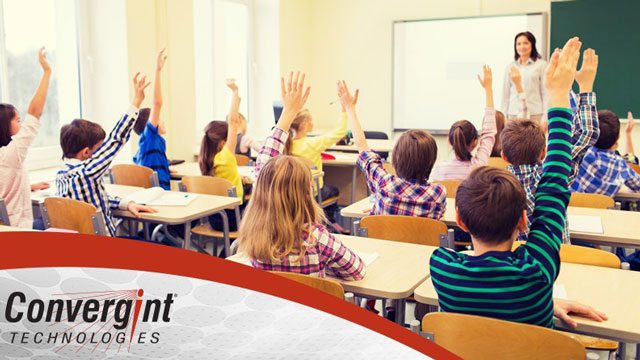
x: 310, y: 148
x: 225, y: 166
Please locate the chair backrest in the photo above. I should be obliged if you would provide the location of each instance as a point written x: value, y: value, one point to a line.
x: 451, y: 186
x: 4, y: 214
x: 595, y: 201
x: 407, y: 229
x: 584, y: 255
x: 499, y: 339
x: 328, y: 286
x: 133, y: 175
x: 243, y: 160
x: 376, y: 135
x: 498, y: 162
x: 69, y: 214
x: 635, y: 167
x: 208, y: 185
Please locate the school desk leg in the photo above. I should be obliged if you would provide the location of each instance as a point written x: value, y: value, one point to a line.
x: 187, y: 235
x: 354, y: 176
x: 400, y: 309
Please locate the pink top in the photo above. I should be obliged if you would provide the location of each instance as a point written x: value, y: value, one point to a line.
x: 456, y: 169
x: 14, y: 179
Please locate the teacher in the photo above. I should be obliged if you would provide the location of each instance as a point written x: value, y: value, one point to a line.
x: 530, y: 94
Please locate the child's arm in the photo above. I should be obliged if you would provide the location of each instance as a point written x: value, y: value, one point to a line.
x: 488, y: 135
x: 98, y: 164
x: 344, y: 263
x: 514, y: 73
x: 37, y: 102
x: 628, y: 133
x: 233, y: 117
x: 585, y: 120
x: 293, y: 98
x: 157, y: 92
x: 323, y: 142
x: 506, y: 92
x: 552, y: 194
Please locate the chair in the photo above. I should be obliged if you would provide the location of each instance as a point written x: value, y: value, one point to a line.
x: 584, y: 255
x: 69, y: 214
x: 380, y: 136
x: 324, y: 203
x: 595, y: 201
x: 210, y: 185
x: 451, y: 186
x: 498, y: 162
x: 328, y: 286
x: 407, y: 229
x: 498, y: 339
x: 635, y: 167
x: 133, y: 175
x: 4, y: 214
x: 243, y: 160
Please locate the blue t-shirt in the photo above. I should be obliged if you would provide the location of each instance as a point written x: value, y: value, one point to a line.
x: 152, y: 154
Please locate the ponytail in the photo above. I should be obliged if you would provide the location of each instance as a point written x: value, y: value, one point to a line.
x: 301, y: 117
x: 461, y: 135
x: 214, y: 134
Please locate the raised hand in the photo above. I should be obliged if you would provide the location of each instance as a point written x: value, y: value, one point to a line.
x: 629, y: 128
x: 347, y: 100
x: 42, y: 59
x: 162, y: 58
x: 294, y: 95
x: 139, y: 86
x: 486, y: 79
x: 515, y: 76
x: 231, y: 84
x: 587, y: 73
x: 561, y: 72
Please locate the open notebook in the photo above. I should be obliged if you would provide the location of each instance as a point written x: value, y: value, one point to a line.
x: 157, y: 196
x: 586, y: 224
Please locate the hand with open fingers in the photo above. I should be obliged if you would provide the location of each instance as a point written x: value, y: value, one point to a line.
x: 136, y: 209
x: 231, y: 84
x: 629, y: 128
x: 162, y: 57
x: 294, y: 94
x: 139, y: 86
x: 42, y: 59
x: 514, y: 74
x: 487, y: 78
x: 563, y: 308
x: 347, y: 100
x: 561, y: 72
x: 587, y: 73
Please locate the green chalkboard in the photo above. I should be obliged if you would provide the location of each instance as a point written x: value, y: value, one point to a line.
x: 612, y: 28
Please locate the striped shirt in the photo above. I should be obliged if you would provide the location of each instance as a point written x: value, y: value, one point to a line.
x: 396, y: 196
x: 516, y: 285
x: 83, y: 180
x: 323, y: 251
x: 585, y: 134
x: 152, y: 154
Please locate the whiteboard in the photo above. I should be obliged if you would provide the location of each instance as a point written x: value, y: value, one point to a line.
x: 435, y: 63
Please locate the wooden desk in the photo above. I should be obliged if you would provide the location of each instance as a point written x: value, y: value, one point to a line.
x: 395, y: 274
x: 627, y: 196
x: 379, y: 145
x: 193, y: 169
x: 4, y: 228
x: 612, y: 291
x: 619, y: 226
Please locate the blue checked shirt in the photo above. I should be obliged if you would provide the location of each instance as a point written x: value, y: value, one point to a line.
x: 585, y: 135
x: 82, y: 180
x: 604, y: 172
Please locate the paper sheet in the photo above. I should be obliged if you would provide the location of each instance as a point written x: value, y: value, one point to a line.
x: 560, y: 292
x: 368, y: 258
x: 586, y: 224
x: 157, y: 196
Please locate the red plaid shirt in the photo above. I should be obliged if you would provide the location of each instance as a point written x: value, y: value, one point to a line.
x: 397, y: 196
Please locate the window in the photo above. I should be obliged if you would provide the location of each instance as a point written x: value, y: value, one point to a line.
x: 25, y: 26
x: 222, y: 51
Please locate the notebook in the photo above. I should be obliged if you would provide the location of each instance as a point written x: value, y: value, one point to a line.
x: 585, y: 224
x: 157, y: 196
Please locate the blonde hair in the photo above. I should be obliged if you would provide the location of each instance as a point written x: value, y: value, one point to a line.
x: 282, y: 209
x: 302, y: 117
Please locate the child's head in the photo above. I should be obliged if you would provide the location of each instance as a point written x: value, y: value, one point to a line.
x: 523, y: 142
x: 490, y: 205
x: 463, y: 136
x: 281, y: 210
x: 215, y: 136
x: 497, y: 145
x: 609, y: 130
x: 80, y: 139
x: 301, y: 125
x: 414, y: 154
x: 141, y: 121
x: 9, y: 123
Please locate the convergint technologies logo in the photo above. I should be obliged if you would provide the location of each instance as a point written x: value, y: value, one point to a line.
x: 102, y: 320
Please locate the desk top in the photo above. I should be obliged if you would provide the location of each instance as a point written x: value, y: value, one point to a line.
x: 342, y: 159
x: 397, y: 271
x: 381, y: 145
x: 617, y: 296
x: 193, y: 169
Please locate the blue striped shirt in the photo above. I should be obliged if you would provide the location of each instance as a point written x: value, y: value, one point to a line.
x: 83, y: 180
x: 152, y: 154
x: 516, y: 285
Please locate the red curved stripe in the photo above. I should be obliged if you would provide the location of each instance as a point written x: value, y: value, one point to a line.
x: 37, y: 250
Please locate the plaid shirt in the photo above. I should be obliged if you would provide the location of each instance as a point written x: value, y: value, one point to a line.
x: 82, y: 180
x: 322, y: 250
x: 604, y: 172
x: 585, y: 134
x: 397, y: 196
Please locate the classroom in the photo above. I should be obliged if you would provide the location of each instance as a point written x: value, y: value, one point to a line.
x: 447, y: 165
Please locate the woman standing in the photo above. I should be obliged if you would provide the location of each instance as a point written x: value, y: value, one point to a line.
x: 529, y: 66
